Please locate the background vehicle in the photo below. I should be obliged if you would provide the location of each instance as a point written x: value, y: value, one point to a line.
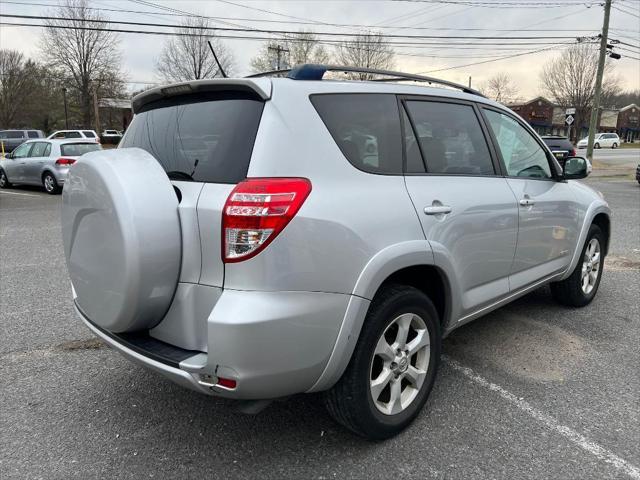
x: 43, y: 162
x: 257, y: 238
x: 12, y: 138
x: 561, y: 147
x: 62, y: 134
x: 602, y: 140
x: 638, y: 173
x: 111, y: 137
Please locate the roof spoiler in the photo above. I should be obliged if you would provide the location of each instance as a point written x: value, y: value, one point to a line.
x: 259, y: 87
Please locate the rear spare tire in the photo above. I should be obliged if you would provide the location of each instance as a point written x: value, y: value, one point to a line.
x: 122, y: 239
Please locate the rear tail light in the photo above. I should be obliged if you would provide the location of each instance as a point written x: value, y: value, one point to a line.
x: 572, y: 153
x: 65, y: 161
x: 256, y: 211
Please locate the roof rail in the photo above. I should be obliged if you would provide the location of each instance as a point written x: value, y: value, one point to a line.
x: 310, y: 71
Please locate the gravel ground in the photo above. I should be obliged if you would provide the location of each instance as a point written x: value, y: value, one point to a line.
x: 533, y: 390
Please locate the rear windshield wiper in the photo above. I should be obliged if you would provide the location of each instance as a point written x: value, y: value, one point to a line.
x: 178, y: 175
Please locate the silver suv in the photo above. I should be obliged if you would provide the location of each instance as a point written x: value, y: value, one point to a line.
x: 261, y: 237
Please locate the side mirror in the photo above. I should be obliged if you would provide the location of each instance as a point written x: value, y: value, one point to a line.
x: 576, y: 168
x: 8, y: 155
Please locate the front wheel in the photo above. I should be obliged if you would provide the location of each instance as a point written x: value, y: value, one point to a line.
x: 4, y: 181
x: 393, y: 366
x: 50, y: 184
x: 615, y: 145
x: 580, y: 288
x: 596, y: 145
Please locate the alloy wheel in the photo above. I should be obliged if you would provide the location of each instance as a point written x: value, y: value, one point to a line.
x: 399, y: 364
x: 590, y: 266
x: 49, y: 183
x: 3, y: 179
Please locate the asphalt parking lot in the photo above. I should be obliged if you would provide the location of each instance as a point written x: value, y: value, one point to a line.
x: 533, y: 390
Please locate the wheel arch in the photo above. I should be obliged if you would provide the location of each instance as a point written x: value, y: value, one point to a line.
x: 603, y: 221
x: 410, y: 263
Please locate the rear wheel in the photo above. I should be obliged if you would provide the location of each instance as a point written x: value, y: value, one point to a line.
x: 4, y: 181
x: 596, y: 145
x: 580, y: 288
x: 393, y: 367
x: 50, y: 184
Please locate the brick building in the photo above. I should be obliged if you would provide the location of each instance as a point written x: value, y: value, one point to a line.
x: 627, y: 125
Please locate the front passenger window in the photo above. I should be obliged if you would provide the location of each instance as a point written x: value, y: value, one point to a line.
x: 522, y: 154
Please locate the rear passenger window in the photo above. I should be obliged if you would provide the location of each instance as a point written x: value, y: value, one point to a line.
x: 39, y: 149
x: 88, y: 134
x: 450, y: 138
x: 33, y: 134
x: 366, y: 127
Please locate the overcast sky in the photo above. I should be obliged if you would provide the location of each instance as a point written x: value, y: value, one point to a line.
x: 567, y: 18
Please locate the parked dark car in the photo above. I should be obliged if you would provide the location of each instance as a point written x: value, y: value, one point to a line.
x: 12, y: 138
x: 638, y: 173
x: 561, y: 147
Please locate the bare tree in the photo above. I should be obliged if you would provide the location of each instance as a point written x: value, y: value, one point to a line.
x: 570, y: 80
x: 303, y: 48
x: 368, y: 50
x: 500, y: 88
x: 16, y: 75
x: 90, y: 57
x: 188, y: 57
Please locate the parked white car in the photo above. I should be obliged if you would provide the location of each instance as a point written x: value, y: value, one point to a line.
x: 602, y: 140
x: 87, y: 134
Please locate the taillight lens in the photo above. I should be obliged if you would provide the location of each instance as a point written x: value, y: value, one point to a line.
x: 572, y: 153
x: 256, y: 211
x: 65, y: 161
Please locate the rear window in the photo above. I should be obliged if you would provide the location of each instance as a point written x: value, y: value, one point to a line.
x: 366, y: 127
x: 88, y: 134
x: 11, y: 134
x: 77, y: 149
x: 204, y: 137
x: 33, y: 134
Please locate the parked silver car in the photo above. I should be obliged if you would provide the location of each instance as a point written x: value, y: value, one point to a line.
x: 43, y: 162
x: 245, y: 241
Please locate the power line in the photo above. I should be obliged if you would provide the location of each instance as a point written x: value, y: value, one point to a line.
x: 290, y: 32
x: 507, y: 4
x: 293, y: 22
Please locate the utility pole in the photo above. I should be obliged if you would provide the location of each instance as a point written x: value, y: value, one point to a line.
x: 66, y: 113
x: 279, y: 50
x: 595, y: 108
x: 96, y: 110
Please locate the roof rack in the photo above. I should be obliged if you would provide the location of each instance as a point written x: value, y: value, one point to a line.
x: 310, y: 71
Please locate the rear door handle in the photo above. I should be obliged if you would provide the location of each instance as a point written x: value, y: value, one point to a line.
x: 437, y: 210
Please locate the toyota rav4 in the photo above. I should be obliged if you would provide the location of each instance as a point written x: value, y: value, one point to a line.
x: 261, y: 237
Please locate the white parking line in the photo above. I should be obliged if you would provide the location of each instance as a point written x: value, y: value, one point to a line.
x: 550, y: 422
x: 17, y: 193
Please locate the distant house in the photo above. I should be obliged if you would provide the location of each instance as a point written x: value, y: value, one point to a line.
x: 115, y: 113
x: 547, y: 118
x: 628, y: 126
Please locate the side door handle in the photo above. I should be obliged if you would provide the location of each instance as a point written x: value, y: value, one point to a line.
x: 437, y: 210
x: 527, y: 202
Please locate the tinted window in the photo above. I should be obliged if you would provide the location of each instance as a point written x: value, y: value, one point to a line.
x: 88, y: 134
x: 47, y: 151
x: 365, y: 127
x: 522, y: 154
x: 208, y: 137
x: 451, y: 138
x: 33, y: 134
x: 77, y: 149
x: 39, y: 149
x: 72, y: 135
x: 11, y: 134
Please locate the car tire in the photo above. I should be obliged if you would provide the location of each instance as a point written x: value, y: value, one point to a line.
x: 596, y: 145
x: 50, y: 184
x: 615, y: 145
x: 579, y: 289
x: 4, y: 181
x: 351, y: 401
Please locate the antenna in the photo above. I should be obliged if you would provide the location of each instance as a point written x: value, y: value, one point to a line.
x: 224, y: 75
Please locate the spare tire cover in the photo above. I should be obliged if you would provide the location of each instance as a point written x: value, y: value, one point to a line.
x: 122, y: 238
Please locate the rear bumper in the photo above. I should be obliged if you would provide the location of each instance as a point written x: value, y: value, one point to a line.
x: 273, y: 344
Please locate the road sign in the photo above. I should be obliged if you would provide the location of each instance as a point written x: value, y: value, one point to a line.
x: 569, y: 120
x: 570, y: 111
